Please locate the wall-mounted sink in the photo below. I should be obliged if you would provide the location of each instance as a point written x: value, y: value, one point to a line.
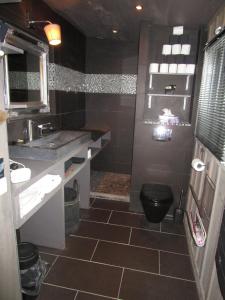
x: 50, y: 147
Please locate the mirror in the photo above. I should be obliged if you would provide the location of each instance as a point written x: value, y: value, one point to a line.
x: 25, y: 72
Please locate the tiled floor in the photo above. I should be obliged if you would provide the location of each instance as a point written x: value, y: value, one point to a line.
x: 116, y: 254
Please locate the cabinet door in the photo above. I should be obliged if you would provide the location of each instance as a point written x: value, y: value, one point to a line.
x: 9, y: 279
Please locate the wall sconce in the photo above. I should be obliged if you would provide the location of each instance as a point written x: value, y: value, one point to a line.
x: 52, y: 31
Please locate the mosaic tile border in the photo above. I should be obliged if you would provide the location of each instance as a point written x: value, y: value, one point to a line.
x: 65, y: 79
x: 111, y: 83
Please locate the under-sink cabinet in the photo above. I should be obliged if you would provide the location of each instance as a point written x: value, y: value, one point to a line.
x: 40, y: 215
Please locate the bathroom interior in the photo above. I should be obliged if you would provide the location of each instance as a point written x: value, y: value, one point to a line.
x: 112, y: 126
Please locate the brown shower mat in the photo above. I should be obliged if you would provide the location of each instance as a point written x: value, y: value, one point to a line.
x: 113, y: 183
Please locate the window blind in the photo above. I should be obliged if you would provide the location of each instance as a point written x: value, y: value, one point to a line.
x: 211, y: 111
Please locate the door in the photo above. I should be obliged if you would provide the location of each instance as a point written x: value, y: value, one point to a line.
x: 9, y: 278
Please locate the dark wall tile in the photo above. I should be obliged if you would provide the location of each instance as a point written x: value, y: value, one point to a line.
x: 73, y: 121
x: 111, y: 56
x: 67, y: 102
x: 116, y: 113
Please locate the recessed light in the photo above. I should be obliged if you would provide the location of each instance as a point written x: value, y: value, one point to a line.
x: 139, y: 7
x: 115, y: 31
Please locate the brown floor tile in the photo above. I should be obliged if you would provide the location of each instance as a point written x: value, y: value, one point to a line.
x: 48, y: 259
x: 75, y: 247
x: 95, y: 215
x: 91, y: 201
x: 86, y: 276
x: 158, y: 240
x: 111, y: 205
x: 86, y: 296
x: 102, y: 231
x: 171, y: 227
x: 141, y: 286
x: 55, y: 293
x: 127, y: 256
x: 176, y: 265
x: 132, y: 220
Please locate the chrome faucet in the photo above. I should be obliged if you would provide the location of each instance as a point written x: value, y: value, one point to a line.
x: 29, y: 132
x: 46, y: 126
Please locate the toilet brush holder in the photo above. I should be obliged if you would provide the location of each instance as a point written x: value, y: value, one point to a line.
x: 179, y: 212
x: 178, y: 215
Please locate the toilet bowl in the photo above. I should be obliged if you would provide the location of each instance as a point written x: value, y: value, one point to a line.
x: 156, y: 200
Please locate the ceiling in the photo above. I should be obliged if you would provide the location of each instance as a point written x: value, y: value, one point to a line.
x: 97, y: 18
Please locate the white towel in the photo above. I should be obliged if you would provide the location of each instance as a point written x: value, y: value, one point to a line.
x: 33, y: 195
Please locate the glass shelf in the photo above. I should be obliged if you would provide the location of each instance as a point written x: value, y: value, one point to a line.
x: 180, y: 124
x: 169, y: 95
x: 172, y: 74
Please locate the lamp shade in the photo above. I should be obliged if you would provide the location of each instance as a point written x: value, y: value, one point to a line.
x: 53, y: 33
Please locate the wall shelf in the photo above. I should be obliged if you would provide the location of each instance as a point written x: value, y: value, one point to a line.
x: 172, y: 74
x: 169, y: 95
x: 180, y: 124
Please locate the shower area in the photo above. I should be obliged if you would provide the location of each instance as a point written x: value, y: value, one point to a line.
x: 111, y: 167
x: 111, y: 74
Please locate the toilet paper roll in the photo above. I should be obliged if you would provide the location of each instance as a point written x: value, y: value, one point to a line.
x: 198, y: 165
x: 164, y: 68
x: 153, y: 68
x: 186, y: 49
x: 181, y: 69
x: 172, y: 68
x: 166, y: 50
x: 190, y: 69
x: 176, y: 49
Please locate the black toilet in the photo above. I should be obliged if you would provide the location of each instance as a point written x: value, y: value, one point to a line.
x: 156, y: 200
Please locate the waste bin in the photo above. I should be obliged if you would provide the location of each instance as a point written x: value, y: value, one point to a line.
x: 71, y: 204
x: 32, y: 270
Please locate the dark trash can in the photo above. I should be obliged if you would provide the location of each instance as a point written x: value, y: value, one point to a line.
x: 72, y: 210
x: 32, y: 270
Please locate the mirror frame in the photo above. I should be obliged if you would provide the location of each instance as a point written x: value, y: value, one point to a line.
x: 21, y: 41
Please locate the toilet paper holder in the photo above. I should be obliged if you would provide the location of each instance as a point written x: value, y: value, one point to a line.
x: 198, y: 165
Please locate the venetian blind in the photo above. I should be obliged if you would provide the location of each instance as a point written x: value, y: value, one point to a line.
x: 211, y: 111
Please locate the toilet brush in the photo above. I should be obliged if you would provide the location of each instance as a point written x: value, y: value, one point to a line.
x: 179, y: 212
